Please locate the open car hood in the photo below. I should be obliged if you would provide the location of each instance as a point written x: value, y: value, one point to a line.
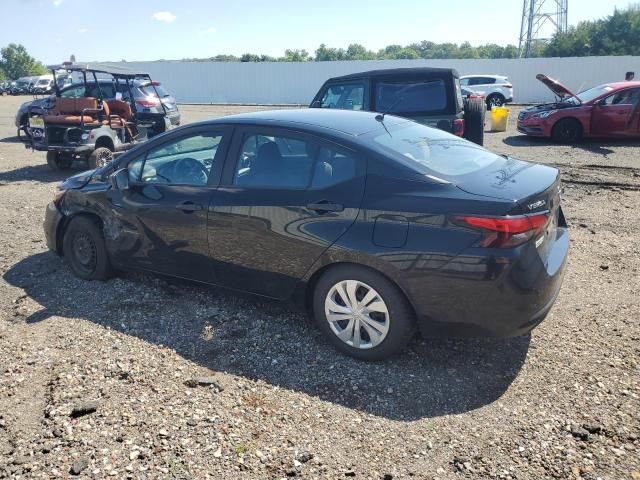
x: 556, y: 87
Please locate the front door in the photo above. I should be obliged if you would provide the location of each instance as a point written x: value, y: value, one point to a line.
x: 163, y: 214
x: 284, y: 199
x: 616, y: 114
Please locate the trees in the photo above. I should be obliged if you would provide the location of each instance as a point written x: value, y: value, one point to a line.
x: 618, y: 34
x: 15, y: 62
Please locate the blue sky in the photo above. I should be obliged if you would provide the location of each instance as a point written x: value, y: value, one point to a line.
x: 149, y: 30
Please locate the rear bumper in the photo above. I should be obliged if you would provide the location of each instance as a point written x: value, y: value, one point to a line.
x: 51, y: 224
x: 500, y: 295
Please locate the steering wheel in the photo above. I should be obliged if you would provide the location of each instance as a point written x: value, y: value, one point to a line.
x: 190, y: 170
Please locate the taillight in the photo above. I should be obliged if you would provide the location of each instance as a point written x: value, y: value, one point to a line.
x: 508, y: 85
x: 458, y: 127
x: 148, y: 103
x: 502, y: 232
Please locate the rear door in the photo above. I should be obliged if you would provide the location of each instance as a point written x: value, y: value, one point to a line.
x: 616, y: 114
x: 284, y: 199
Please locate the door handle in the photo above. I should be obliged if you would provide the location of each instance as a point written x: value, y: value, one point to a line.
x: 325, y: 206
x: 189, y: 206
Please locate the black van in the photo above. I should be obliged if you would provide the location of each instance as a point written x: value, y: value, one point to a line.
x: 431, y: 96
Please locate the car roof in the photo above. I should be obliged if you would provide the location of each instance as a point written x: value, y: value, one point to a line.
x: 619, y: 85
x: 115, y: 70
x: 391, y: 72
x: 490, y: 75
x: 345, y: 122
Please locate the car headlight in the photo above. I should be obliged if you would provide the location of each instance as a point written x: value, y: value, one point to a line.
x: 544, y: 114
x: 58, y: 195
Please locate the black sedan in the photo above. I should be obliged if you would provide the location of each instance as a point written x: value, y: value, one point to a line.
x: 376, y: 223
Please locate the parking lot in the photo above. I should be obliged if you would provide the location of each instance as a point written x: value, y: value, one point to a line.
x: 195, y: 382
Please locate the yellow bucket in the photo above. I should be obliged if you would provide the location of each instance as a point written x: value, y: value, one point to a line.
x: 499, y: 119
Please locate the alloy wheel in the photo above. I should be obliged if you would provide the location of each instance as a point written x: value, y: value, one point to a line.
x: 357, y: 314
x: 104, y: 157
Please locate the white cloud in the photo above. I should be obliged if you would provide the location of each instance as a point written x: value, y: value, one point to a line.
x: 57, y: 3
x: 166, y: 17
x: 82, y: 30
x: 211, y: 30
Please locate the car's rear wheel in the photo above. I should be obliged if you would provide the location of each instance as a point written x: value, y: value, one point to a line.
x: 84, y: 249
x: 362, y: 313
x: 567, y: 130
x: 495, y: 100
x: 100, y: 157
x: 58, y: 161
x: 474, y: 115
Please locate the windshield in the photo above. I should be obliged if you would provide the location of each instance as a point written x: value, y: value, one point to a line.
x: 595, y: 92
x: 432, y: 151
x: 43, y: 82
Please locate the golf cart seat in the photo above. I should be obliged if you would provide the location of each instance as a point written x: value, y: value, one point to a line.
x: 120, y: 108
x: 111, y: 117
x: 69, y: 111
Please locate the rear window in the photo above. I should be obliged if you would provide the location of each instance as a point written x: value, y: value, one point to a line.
x: 411, y: 97
x: 149, y: 91
x: 432, y: 151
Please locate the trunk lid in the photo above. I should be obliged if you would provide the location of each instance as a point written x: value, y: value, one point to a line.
x: 556, y: 87
x: 523, y: 183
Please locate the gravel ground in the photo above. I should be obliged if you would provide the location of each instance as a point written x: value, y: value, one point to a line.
x: 141, y: 377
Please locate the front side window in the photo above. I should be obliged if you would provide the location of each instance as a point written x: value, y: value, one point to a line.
x: 73, y: 92
x: 625, y: 97
x: 344, y: 97
x: 185, y: 161
x: 274, y: 161
x: 411, y: 97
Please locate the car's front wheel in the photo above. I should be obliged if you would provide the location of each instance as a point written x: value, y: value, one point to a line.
x: 567, y: 130
x: 362, y: 313
x: 84, y: 249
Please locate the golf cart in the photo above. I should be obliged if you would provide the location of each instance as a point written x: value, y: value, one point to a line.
x: 88, y: 124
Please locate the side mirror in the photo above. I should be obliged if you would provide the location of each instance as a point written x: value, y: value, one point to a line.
x: 120, y: 179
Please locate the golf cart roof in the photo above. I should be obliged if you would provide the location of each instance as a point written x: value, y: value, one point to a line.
x: 110, y: 69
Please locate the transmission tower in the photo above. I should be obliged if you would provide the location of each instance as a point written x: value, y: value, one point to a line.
x: 541, y: 19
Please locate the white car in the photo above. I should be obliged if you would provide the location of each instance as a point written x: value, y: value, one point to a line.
x: 497, y: 89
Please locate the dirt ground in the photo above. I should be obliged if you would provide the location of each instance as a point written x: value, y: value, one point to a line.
x: 192, y: 382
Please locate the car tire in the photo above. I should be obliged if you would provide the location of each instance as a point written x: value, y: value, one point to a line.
x: 84, y: 249
x: 474, y: 116
x: 57, y: 161
x: 495, y: 100
x: 100, y: 157
x: 567, y: 130
x: 392, y: 322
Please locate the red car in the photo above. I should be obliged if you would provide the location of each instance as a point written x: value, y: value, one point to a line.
x: 609, y: 110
